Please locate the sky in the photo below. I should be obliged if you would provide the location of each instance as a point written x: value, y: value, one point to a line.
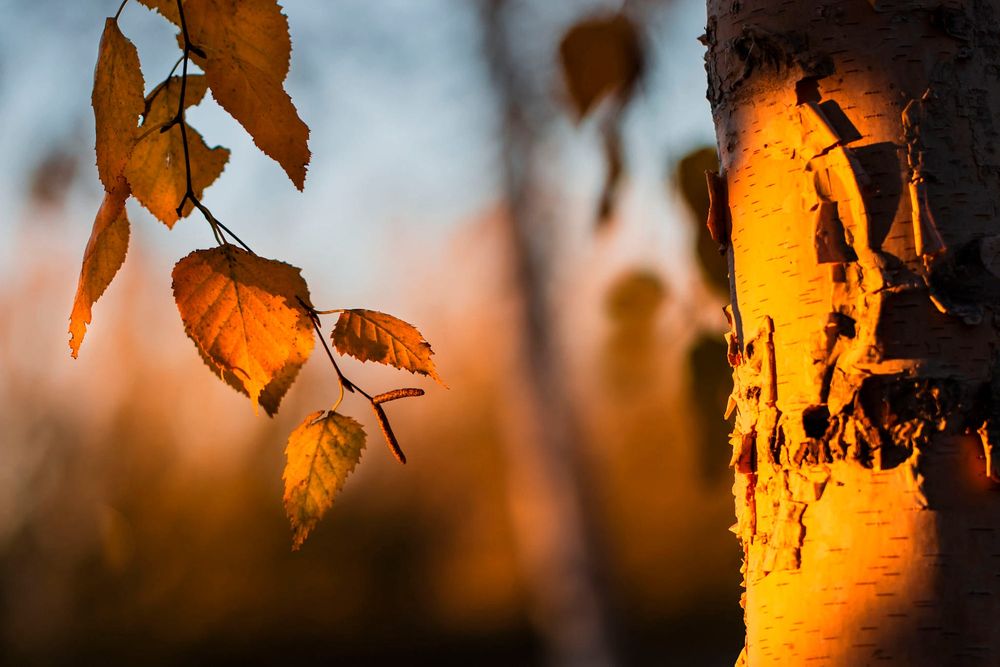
x: 404, y: 128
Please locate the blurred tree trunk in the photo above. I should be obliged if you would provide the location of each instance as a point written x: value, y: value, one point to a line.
x: 858, y: 207
x: 550, y: 506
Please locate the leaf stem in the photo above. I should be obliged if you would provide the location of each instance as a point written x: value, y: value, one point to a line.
x: 174, y: 69
x: 346, y: 384
x: 120, y: 8
x: 340, y: 397
x: 159, y: 128
x: 159, y: 88
x: 317, y: 325
x: 219, y: 230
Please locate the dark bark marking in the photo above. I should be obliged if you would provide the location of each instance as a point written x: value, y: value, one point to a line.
x: 718, y: 210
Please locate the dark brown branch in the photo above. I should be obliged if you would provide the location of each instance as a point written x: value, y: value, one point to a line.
x: 219, y: 230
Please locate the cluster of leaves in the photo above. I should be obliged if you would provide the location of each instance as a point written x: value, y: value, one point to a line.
x: 250, y: 317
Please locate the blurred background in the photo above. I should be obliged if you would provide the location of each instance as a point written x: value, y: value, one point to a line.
x: 567, y: 499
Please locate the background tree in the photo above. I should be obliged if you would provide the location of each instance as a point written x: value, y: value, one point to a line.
x: 547, y: 467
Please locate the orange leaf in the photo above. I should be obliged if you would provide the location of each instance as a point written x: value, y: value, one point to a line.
x: 369, y: 335
x: 156, y: 170
x: 118, y: 103
x: 104, y: 255
x: 271, y: 395
x: 321, y: 453
x: 242, y: 312
x: 247, y: 51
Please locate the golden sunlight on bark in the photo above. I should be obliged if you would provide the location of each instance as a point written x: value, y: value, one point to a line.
x: 859, y: 187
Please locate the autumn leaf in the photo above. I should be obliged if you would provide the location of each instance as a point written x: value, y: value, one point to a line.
x: 118, y: 102
x: 242, y: 312
x: 156, y: 170
x: 271, y: 395
x: 320, y: 454
x: 600, y: 56
x: 247, y: 51
x: 369, y: 335
x: 104, y: 255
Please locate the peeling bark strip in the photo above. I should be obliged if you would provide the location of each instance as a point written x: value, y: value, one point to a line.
x: 860, y: 182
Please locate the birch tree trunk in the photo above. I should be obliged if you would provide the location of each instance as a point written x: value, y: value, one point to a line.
x: 857, y: 207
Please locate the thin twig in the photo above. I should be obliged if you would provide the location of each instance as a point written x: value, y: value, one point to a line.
x: 189, y: 195
x: 174, y: 68
x: 220, y: 231
x: 159, y: 88
x: 317, y: 325
x: 120, y: 8
x: 159, y: 128
x: 375, y: 401
x: 234, y: 236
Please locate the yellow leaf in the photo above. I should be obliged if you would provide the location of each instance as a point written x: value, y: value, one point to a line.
x: 118, y: 103
x: 369, y: 335
x: 247, y: 51
x: 320, y: 454
x: 104, y: 255
x: 156, y: 169
x: 242, y: 312
x: 166, y: 8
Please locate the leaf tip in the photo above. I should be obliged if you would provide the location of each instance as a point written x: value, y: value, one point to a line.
x: 74, y: 347
x: 298, y: 174
x: 77, y: 330
x: 299, y: 535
